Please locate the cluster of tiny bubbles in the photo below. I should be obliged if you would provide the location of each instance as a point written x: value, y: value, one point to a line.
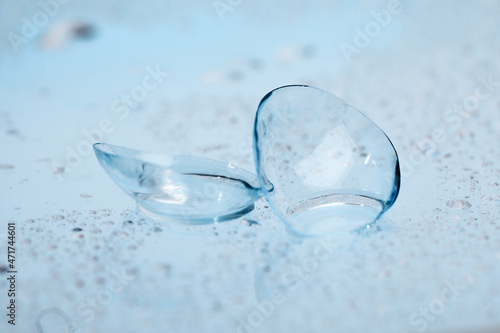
x: 284, y: 255
x: 80, y: 247
x: 165, y: 257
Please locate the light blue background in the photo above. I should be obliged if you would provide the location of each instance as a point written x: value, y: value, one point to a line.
x: 430, y: 57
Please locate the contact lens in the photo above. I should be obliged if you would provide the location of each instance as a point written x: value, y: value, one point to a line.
x: 322, y: 165
x: 189, y: 189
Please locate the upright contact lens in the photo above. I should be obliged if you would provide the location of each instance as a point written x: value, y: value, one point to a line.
x: 323, y: 166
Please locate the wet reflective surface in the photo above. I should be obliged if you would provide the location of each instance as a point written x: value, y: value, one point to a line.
x: 89, y: 262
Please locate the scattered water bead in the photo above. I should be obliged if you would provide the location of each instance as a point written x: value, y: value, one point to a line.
x: 54, y: 313
x: 485, y: 214
x: 6, y: 167
x: 249, y: 223
x: 191, y: 189
x: 120, y: 234
x: 342, y: 170
x: 491, y: 197
x: 77, y: 229
x: 458, y: 204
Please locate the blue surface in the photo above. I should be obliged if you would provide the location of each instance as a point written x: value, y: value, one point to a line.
x: 432, y: 263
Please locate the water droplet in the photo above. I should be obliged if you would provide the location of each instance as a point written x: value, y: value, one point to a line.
x: 30, y: 221
x: 131, y: 271
x: 217, y: 306
x: 165, y: 268
x: 458, y: 204
x: 83, y: 30
x: 83, y: 195
x: 157, y: 229
x: 58, y: 217
x: 77, y: 229
x: 58, y: 170
x: 249, y: 223
x: 485, y: 214
x: 491, y: 197
x: 121, y: 234
x: 333, y: 185
x: 6, y: 167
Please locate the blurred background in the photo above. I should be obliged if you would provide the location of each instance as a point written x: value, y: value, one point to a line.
x: 186, y: 78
